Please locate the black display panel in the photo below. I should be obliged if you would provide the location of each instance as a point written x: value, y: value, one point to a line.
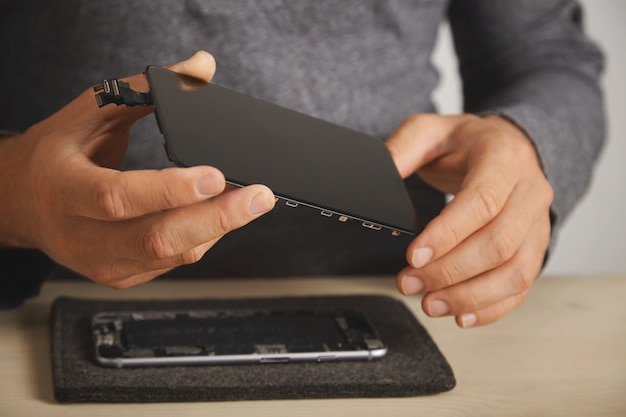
x: 304, y: 160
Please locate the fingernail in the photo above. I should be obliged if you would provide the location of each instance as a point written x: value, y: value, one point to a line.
x: 412, y: 285
x: 260, y: 204
x: 438, y: 308
x: 421, y: 256
x: 208, y: 185
x: 468, y: 320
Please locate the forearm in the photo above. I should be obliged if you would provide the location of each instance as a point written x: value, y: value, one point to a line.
x: 532, y: 64
x: 567, y: 135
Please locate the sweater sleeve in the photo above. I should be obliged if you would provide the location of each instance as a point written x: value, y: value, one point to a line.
x: 530, y: 62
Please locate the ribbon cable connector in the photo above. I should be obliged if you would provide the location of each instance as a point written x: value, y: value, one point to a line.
x: 118, y: 92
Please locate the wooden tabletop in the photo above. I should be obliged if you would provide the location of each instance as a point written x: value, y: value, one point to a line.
x: 562, y: 353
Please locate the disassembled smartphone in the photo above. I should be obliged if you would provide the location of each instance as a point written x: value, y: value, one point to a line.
x: 194, y: 337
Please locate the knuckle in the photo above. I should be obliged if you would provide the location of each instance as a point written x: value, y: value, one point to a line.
x: 547, y: 193
x: 448, y: 273
x: 131, y: 279
x: 502, y: 247
x: 191, y: 256
x: 111, y: 201
x: 104, y: 275
x: 222, y: 222
x: 471, y: 301
x: 120, y: 284
x: 168, y: 195
x: 449, y: 232
x: 521, y: 280
x: 467, y: 302
x: 157, y: 244
x: 487, y: 204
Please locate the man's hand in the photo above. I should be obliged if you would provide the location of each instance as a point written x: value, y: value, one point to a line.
x: 63, y: 195
x: 479, y: 258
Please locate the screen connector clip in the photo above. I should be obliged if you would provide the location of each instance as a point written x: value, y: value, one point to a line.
x: 119, y: 92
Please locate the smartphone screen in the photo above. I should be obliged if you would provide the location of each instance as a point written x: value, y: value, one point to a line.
x: 340, y: 172
x: 233, y: 336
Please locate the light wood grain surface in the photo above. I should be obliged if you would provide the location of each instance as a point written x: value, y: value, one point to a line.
x: 563, y: 353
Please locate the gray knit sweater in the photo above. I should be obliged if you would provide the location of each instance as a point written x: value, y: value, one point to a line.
x: 360, y: 63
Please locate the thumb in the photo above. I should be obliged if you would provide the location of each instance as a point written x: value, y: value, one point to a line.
x: 419, y: 140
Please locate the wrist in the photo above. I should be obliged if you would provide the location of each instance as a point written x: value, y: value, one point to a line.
x: 10, y: 223
x: 517, y: 132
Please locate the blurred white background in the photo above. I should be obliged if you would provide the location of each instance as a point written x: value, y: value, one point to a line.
x: 593, y: 238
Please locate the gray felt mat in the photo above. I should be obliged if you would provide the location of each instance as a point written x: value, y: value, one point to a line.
x: 413, y: 365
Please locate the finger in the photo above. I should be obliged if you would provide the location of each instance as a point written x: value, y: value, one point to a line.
x: 513, y: 278
x: 480, y: 200
x: 200, y: 66
x: 143, y: 268
x: 126, y: 273
x: 492, y: 313
x: 120, y: 276
x: 137, y: 279
x: 108, y: 194
x: 173, y: 233
x: 420, y: 139
x: 492, y: 245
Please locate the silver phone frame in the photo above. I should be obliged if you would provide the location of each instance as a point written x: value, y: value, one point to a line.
x: 249, y: 358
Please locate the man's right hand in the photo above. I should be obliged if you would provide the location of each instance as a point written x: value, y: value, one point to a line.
x: 62, y: 195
